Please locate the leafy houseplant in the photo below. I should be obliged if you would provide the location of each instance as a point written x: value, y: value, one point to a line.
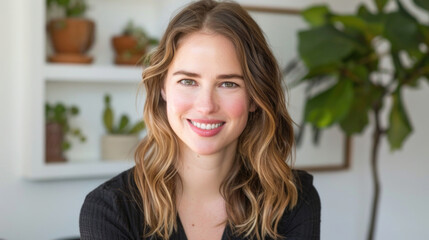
x: 348, y: 80
x: 131, y: 45
x: 121, y: 138
x: 71, y: 34
x: 57, y: 128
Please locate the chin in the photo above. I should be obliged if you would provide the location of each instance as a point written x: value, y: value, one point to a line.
x: 205, y: 150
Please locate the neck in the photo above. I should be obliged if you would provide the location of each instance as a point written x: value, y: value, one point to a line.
x: 202, y: 175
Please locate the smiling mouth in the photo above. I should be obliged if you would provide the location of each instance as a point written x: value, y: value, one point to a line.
x: 206, y: 126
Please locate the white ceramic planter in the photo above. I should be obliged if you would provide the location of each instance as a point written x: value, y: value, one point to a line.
x: 118, y: 147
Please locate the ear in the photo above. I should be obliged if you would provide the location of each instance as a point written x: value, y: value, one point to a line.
x: 252, y: 106
x: 163, y: 94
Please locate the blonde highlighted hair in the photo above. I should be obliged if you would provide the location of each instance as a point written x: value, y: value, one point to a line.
x: 260, y: 185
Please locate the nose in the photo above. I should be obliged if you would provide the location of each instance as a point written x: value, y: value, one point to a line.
x: 206, y: 101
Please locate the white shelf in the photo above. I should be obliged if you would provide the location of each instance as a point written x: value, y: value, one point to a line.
x: 92, y: 73
x: 70, y: 170
x: 42, y: 80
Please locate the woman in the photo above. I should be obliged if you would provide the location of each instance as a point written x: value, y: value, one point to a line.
x: 213, y: 163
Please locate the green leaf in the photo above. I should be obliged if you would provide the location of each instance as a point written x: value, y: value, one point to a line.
x: 66, y: 145
x: 74, y: 110
x: 137, y: 127
x: 330, y: 106
x: 400, y: 127
x: 402, y: 32
x: 63, y: 3
x: 76, y: 132
x: 367, y: 29
x: 400, y: 70
x: 317, y: 15
x: 375, y: 21
x: 59, y: 109
x: 360, y: 73
x: 325, y: 70
x: 425, y: 33
x: 323, y: 46
x: 422, y: 3
x: 108, y: 119
x: 381, y: 4
x: 357, y: 118
x: 351, y: 21
x: 123, y: 123
x: 108, y: 115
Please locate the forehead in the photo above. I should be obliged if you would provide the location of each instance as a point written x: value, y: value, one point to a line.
x: 202, y: 49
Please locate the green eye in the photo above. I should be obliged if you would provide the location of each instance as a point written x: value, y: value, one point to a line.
x: 187, y: 82
x: 229, y: 85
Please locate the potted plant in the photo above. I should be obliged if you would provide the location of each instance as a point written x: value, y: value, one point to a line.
x: 71, y: 35
x: 121, y: 139
x: 131, y: 45
x: 57, y: 128
x: 342, y: 61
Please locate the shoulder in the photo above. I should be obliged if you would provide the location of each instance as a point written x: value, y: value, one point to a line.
x: 303, y: 221
x: 118, y: 186
x: 306, y: 190
x: 112, y: 209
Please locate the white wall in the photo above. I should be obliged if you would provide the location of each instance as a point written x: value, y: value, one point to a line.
x: 49, y: 210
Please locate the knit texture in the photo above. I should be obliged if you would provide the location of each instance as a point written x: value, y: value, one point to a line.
x: 110, y: 212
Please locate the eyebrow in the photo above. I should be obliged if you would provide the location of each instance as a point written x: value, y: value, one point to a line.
x: 196, y: 75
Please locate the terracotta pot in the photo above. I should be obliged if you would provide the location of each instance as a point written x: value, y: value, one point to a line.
x: 126, y: 50
x: 71, y: 38
x: 118, y: 147
x: 54, y: 141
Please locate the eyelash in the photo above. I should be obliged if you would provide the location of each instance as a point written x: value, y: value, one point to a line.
x: 187, y: 82
x: 234, y: 85
x: 190, y: 82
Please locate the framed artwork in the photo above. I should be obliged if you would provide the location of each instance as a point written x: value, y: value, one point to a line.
x: 333, y: 153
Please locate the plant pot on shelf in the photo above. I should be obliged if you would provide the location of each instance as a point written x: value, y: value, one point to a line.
x: 127, y: 50
x: 54, y: 143
x: 71, y: 38
x: 119, y: 146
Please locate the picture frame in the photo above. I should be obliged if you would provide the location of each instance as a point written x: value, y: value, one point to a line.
x: 333, y: 153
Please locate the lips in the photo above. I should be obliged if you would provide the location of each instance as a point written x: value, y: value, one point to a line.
x: 206, y: 128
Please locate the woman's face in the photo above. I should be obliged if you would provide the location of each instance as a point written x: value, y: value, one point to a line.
x: 207, y: 102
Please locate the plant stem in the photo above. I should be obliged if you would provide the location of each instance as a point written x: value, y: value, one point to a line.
x: 378, y: 132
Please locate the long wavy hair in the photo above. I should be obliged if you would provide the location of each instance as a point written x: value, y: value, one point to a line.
x: 260, y: 185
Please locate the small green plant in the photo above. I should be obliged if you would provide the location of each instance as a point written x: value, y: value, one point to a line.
x: 124, y: 123
x: 71, y: 8
x: 60, y: 114
x: 143, y: 40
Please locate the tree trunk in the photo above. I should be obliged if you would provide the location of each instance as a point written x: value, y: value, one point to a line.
x: 378, y: 132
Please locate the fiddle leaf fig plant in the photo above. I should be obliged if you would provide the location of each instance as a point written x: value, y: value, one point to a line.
x: 356, y: 66
x: 124, y: 126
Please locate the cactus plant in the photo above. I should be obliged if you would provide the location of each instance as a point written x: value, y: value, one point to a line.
x: 124, y: 126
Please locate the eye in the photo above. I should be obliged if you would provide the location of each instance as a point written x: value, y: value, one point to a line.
x: 229, y: 85
x: 188, y: 82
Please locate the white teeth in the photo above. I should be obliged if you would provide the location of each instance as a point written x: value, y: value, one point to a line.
x: 206, y: 126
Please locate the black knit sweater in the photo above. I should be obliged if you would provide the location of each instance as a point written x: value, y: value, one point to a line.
x: 110, y: 212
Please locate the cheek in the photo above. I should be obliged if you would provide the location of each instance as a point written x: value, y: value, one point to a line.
x: 178, y: 103
x: 237, y: 107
